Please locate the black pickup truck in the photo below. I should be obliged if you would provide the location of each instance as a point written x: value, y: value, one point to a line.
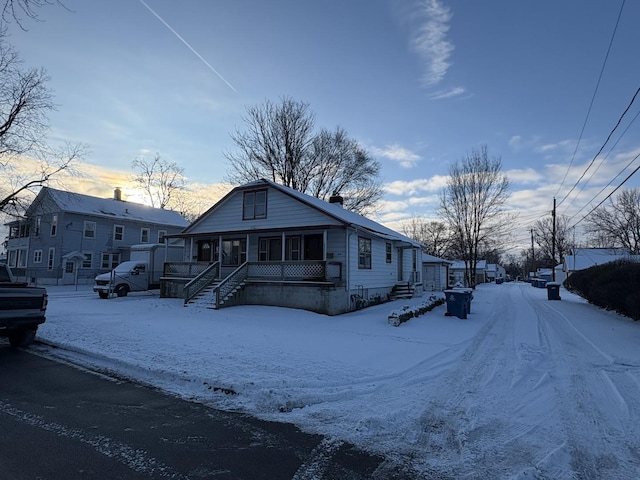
x: 22, y: 309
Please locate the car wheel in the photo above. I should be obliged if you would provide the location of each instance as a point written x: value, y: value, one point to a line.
x: 122, y: 290
x: 23, y: 338
x: 103, y: 294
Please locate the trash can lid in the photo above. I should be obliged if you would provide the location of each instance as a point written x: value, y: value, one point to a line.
x: 553, y: 284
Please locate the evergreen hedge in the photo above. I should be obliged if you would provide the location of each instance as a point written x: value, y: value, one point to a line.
x: 614, y: 286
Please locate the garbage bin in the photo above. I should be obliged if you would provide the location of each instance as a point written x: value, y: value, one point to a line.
x: 553, y: 291
x: 468, y: 296
x: 457, y: 303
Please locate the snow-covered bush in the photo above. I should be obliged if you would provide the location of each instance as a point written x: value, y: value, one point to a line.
x: 397, y: 317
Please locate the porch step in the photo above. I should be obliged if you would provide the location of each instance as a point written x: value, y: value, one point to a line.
x: 402, y: 290
x: 205, y: 298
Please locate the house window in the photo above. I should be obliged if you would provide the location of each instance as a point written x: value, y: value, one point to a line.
x: 292, y: 248
x: 144, y: 235
x: 12, y: 257
x: 54, y: 224
x: 88, y: 260
x: 23, y: 230
x: 109, y: 261
x: 118, y: 232
x: 51, y: 258
x: 270, y: 249
x: 89, y: 229
x: 234, y: 252
x: 161, y: 235
x: 388, y: 246
x: 254, y: 205
x: 364, y: 252
x: 37, y: 256
x: 37, y: 226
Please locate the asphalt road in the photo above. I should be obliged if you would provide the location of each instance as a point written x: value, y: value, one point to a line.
x: 58, y: 421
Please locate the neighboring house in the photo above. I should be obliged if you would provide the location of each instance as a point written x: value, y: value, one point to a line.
x: 435, y: 273
x: 267, y: 244
x: 457, y: 272
x: 495, y: 272
x: 582, y: 258
x: 67, y: 238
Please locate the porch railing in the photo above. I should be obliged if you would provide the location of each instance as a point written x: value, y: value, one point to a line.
x: 184, y: 269
x: 301, y: 270
x: 230, y: 284
x: 203, y: 280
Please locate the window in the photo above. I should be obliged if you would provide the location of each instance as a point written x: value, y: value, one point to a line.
x: 89, y: 229
x: 292, y: 248
x: 37, y: 256
x: 118, y: 232
x: 388, y: 253
x: 68, y: 267
x: 54, y: 224
x: 144, y: 235
x: 270, y: 249
x: 161, y: 235
x: 110, y: 261
x: 254, y: 205
x: 12, y: 258
x: 37, y: 226
x: 234, y: 252
x: 364, y: 252
x: 88, y: 260
x: 51, y: 258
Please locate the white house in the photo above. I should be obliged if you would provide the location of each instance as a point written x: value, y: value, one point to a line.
x: 495, y: 272
x: 267, y: 244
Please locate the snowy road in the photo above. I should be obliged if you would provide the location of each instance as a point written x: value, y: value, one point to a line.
x: 524, y: 388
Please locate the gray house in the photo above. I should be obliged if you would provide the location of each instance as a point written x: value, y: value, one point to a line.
x: 68, y: 238
x: 267, y: 244
x: 435, y: 273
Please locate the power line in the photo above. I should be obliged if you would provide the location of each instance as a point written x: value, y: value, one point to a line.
x: 603, y: 145
x: 593, y: 97
x: 609, y: 196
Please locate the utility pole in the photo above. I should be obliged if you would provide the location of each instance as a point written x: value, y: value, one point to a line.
x: 533, y: 254
x: 553, y: 242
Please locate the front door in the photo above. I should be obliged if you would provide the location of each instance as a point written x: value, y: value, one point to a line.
x: 314, y: 247
x: 69, y: 275
x: 205, y: 251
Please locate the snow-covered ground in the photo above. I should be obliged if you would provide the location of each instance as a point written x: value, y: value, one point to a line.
x: 524, y: 388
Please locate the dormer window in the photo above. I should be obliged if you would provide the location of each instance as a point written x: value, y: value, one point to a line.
x: 254, y: 205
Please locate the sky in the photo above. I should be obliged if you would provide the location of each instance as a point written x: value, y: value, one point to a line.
x: 419, y: 83
x: 523, y: 388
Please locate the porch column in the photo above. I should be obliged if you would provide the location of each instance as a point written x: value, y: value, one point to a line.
x: 282, y: 257
x: 220, y: 249
x: 324, y: 245
x: 191, y: 250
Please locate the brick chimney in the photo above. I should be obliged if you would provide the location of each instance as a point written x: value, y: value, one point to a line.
x: 117, y: 194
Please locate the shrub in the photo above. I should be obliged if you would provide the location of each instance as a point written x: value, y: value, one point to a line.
x: 614, y: 286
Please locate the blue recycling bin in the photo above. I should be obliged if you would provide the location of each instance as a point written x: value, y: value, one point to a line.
x: 469, y: 296
x: 457, y: 303
x: 553, y: 291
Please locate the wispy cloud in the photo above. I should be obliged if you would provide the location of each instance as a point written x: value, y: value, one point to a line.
x: 430, y: 40
x: 451, y: 93
x: 406, y: 158
x: 420, y: 185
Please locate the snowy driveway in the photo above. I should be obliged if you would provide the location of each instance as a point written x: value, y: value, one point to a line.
x: 525, y: 388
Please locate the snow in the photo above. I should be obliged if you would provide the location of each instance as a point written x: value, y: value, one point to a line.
x: 524, y: 388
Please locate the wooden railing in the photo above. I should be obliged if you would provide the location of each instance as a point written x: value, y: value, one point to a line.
x: 203, y: 280
x: 308, y: 270
x: 184, y: 269
x: 230, y: 283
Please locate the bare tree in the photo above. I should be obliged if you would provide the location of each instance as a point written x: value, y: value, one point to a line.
x: 25, y: 101
x: 543, y: 236
x: 472, y: 205
x: 618, y: 223
x: 17, y: 9
x: 279, y: 144
x: 434, y: 235
x: 159, y: 179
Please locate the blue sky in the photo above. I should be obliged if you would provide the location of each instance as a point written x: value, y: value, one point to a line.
x: 418, y: 83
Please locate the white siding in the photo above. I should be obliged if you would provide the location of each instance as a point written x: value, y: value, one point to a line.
x: 381, y: 274
x: 283, y: 211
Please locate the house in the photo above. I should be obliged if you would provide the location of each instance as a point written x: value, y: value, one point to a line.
x: 68, y: 238
x: 435, y: 273
x: 582, y: 258
x: 267, y: 244
x: 496, y: 273
x: 458, y: 268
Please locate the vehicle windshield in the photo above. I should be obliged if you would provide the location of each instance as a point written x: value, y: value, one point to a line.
x: 125, y: 267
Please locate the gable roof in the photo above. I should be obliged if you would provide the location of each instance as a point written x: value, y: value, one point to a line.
x: 426, y: 258
x: 336, y: 211
x: 110, y: 208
